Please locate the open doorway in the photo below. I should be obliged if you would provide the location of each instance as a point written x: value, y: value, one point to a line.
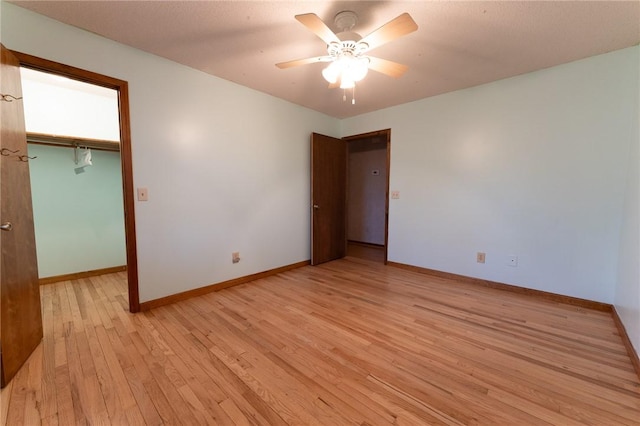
x: 367, y: 195
x: 73, y: 135
x: 125, y: 160
x: 330, y: 197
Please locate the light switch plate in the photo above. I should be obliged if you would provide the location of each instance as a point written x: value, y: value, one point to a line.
x: 143, y: 194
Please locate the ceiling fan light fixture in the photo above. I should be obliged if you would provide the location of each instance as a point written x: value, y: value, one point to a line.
x: 358, y: 68
x: 345, y: 83
x: 332, y: 72
x: 347, y: 69
x: 346, y: 49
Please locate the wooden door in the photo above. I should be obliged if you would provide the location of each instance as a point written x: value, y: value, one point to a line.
x: 328, y: 198
x: 20, y: 315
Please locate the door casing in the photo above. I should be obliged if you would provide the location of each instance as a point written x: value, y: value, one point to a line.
x: 122, y: 87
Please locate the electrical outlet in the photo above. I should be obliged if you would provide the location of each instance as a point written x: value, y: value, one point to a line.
x: 480, y: 257
x: 235, y: 257
x: 395, y: 195
x: 512, y: 261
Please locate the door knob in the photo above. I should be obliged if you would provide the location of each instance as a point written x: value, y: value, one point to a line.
x: 7, y: 226
x: 315, y: 206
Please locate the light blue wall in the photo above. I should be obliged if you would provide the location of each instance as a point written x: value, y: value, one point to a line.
x: 534, y: 166
x: 79, y: 218
x: 227, y: 167
x: 627, y: 298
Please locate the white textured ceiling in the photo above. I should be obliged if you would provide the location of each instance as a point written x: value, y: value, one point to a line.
x: 457, y: 45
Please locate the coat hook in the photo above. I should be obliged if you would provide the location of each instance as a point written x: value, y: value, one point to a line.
x: 26, y: 158
x: 9, y: 98
x: 6, y: 152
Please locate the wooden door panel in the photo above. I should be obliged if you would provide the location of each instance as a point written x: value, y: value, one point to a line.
x: 328, y: 198
x: 20, y: 315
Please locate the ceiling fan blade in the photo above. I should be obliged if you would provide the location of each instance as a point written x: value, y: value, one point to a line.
x: 390, y: 68
x: 398, y: 27
x: 305, y: 61
x: 319, y: 28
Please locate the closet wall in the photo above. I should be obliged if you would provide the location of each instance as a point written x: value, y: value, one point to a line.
x: 79, y: 221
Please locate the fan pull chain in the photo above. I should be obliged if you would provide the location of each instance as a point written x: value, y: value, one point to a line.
x: 353, y: 95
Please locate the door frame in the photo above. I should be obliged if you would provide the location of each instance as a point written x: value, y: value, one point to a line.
x: 387, y: 134
x: 126, y: 158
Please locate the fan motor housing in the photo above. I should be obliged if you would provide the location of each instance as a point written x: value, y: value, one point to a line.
x: 349, y: 36
x: 349, y: 44
x: 345, y: 20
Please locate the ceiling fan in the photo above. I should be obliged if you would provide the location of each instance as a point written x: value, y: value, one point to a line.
x: 346, y: 50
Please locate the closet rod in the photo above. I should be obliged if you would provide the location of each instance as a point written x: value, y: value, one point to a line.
x: 72, y: 142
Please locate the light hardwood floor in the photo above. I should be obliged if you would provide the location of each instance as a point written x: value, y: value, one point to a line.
x: 348, y: 342
x: 366, y: 251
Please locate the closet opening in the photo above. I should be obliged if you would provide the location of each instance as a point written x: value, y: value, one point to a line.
x: 77, y: 125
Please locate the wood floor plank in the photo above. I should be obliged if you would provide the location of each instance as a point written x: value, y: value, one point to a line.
x: 234, y: 413
x: 5, y: 398
x: 202, y: 393
x: 32, y: 390
x: 48, y: 407
x: 347, y: 342
x: 160, y: 411
x: 18, y: 398
x: 115, y: 395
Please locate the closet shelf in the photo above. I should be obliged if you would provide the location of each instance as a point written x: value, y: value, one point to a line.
x: 72, y: 141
